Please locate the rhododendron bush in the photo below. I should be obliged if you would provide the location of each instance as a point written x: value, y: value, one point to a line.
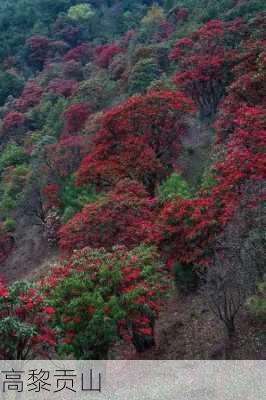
x: 152, y: 124
x: 124, y: 216
x: 82, y: 308
x: 14, y: 121
x: 37, y: 49
x: 131, y: 158
x: 24, y: 320
x: 75, y: 116
x: 247, y: 89
x: 204, y: 61
x: 105, y: 53
x: 50, y: 194
x: 79, y: 53
x: 31, y: 96
x: 187, y: 227
x: 104, y: 297
x: 64, y: 87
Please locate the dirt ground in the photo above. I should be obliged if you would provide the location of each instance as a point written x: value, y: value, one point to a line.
x: 30, y: 252
x: 187, y: 330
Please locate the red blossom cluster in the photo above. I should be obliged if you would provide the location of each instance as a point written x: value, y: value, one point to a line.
x: 187, y: 227
x: 38, y: 48
x: 50, y: 194
x: 130, y: 282
x: 26, y: 317
x: 152, y: 124
x: 4, y: 293
x: 75, y: 116
x: 181, y: 14
x: 122, y: 217
x: 165, y: 30
x: 79, y: 53
x: 105, y: 53
x: 247, y: 89
x: 30, y: 97
x: 13, y: 120
x: 64, y: 87
x: 204, y: 62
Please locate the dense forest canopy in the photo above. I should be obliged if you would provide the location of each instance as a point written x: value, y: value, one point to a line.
x: 132, y: 152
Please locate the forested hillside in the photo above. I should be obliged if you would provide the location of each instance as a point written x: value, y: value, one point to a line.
x: 132, y: 179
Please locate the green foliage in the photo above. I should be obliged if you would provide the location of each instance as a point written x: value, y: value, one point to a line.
x: 150, y: 24
x: 163, y: 83
x: 81, y: 12
x: 169, y: 4
x: 257, y: 303
x: 13, y: 183
x: 10, y: 85
x: 185, y: 276
x: 104, y: 295
x: 96, y: 91
x: 48, y: 117
x: 23, y: 324
x: 23, y: 333
x: 154, y: 16
x: 208, y: 179
x: 73, y: 199
x: 174, y: 186
x: 202, y: 11
x: 9, y: 225
x: 248, y: 9
x: 19, y: 19
x: 11, y: 156
x: 143, y: 73
x: 7, y: 204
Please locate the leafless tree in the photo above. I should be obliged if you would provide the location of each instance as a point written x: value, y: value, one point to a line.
x: 238, y: 261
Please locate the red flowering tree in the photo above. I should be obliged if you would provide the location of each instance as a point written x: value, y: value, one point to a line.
x: 24, y: 319
x: 165, y: 30
x: 105, y: 53
x: 104, y: 297
x: 205, y: 60
x: 79, y: 53
x: 244, y: 161
x: 75, y: 116
x: 64, y: 157
x: 153, y: 124
x: 50, y: 194
x: 181, y: 14
x: 37, y: 50
x: 14, y: 123
x: 247, y: 89
x: 133, y: 158
x: 122, y: 217
x: 187, y: 228
x: 184, y: 230
x: 30, y: 97
x: 13, y: 120
x: 64, y: 87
